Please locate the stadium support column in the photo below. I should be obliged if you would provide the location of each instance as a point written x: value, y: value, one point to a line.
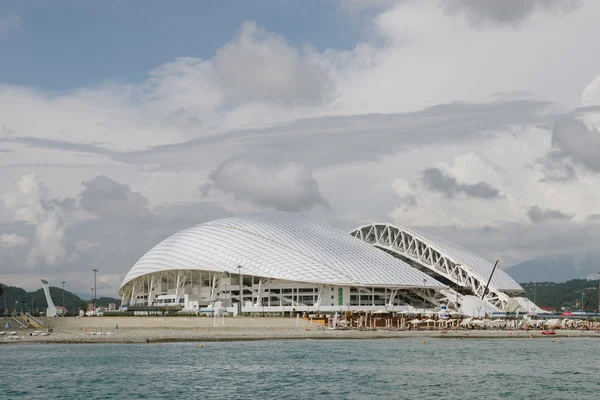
x: 181, y: 281
x: 259, y: 293
x: 133, y: 284
x: 177, y: 287
x: 151, y: 291
x: 392, y: 298
x: 320, y: 296
x: 213, y: 288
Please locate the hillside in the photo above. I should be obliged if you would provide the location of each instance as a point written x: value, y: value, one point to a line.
x: 565, y: 294
x: 16, y: 298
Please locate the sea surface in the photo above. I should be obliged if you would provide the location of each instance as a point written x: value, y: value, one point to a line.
x: 306, y: 369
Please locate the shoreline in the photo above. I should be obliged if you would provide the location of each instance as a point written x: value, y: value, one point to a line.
x: 193, y: 336
x: 142, y: 330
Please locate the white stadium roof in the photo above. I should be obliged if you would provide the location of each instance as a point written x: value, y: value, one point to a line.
x: 470, y: 260
x: 280, y: 245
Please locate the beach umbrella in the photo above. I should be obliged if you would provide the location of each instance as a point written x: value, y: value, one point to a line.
x: 415, y: 321
x: 428, y: 321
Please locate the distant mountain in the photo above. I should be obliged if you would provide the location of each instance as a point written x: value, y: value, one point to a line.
x: 559, y: 268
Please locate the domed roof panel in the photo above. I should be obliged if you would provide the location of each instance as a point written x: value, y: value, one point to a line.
x: 280, y: 245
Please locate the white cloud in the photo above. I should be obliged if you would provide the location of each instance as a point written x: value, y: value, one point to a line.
x: 591, y: 93
x: 509, y: 163
x: 49, y: 247
x: 10, y: 22
x: 260, y: 66
x: 510, y: 12
x: 26, y: 201
x: 356, y: 6
x: 576, y: 137
x: 12, y: 240
x: 287, y: 186
x: 30, y: 204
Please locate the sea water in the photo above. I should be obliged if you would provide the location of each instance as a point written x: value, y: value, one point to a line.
x: 306, y: 369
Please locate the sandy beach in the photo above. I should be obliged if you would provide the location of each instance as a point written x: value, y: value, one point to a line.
x: 182, y: 329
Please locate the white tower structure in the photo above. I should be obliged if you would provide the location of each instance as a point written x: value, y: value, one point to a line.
x: 51, y: 306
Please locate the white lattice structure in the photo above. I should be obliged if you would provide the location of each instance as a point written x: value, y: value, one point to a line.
x: 283, y: 259
x: 442, y: 259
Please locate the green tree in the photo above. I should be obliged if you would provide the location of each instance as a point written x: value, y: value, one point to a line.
x: 1, y: 289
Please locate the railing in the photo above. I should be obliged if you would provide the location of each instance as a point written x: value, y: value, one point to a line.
x: 34, y: 321
x: 21, y: 321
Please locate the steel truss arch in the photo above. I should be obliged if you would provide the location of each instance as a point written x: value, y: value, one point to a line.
x: 408, y: 245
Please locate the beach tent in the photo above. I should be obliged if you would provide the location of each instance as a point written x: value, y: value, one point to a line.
x: 553, y: 322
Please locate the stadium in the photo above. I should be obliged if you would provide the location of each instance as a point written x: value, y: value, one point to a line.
x: 278, y: 262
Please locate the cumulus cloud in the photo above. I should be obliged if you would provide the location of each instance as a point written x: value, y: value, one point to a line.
x: 29, y: 203
x: 287, y: 186
x: 10, y: 22
x: 508, y: 163
x: 49, y: 246
x: 506, y: 12
x: 12, y: 240
x: 261, y: 66
x: 576, y: 137
x: 591, y: 93
x: 437, y: 180
x: 556, y: 168
x: 539, y: 215
x: 108, y: 199
x: 27, y: 200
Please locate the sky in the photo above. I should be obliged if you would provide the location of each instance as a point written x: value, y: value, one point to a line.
x: 123, y: 123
